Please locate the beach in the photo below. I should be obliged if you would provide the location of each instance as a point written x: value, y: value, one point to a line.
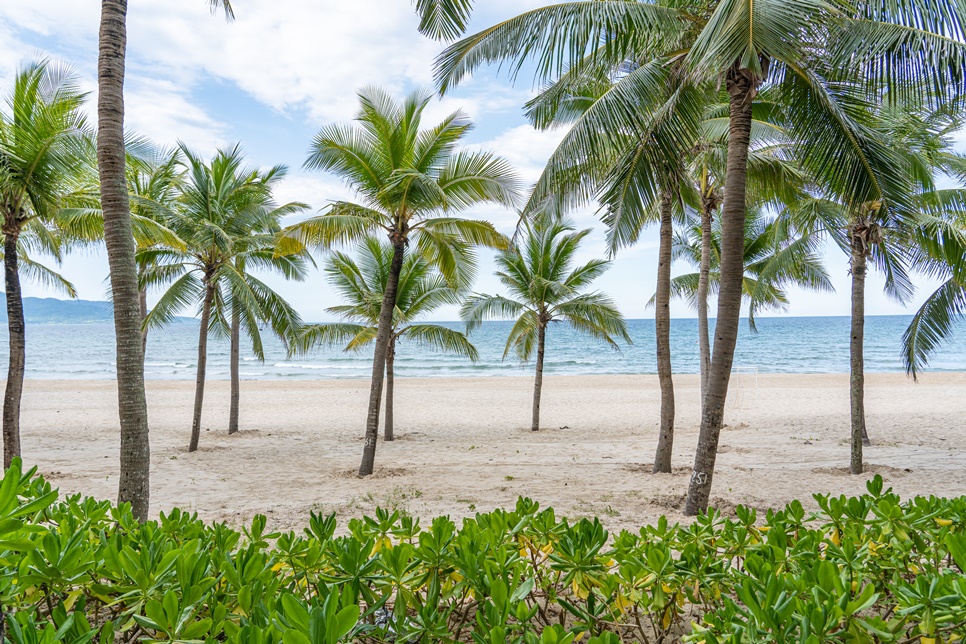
x: 463, y: 444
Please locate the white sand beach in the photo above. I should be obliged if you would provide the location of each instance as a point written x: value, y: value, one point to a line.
x: 464, y: 444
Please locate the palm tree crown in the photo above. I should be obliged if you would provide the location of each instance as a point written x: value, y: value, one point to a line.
x: 544, y: 287
x: 410, y: 182
x: 776, y: 257
x: 362, y: 283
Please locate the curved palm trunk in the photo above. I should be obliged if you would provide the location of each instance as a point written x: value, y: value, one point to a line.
x: 662, y: 329
x: 538, y: 378
x: 119, y: 240
x: 704, y: 336
x: 17, y: 330
x: 856, y: 355
x: 379, y: 357
x: 235, y: 379
x: 390, y: 376
x: 143, y: 311
x: 741, y: 86
x: 202, y: 364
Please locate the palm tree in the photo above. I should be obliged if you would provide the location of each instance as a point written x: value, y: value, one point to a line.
x: 776, y: 256
x: 362, y: 284
x: 134, y: 482
x: 544, y: 287
x: 825, y: 62
x: 229, y: 222
x: 894, y: 241
x: 44, y: 139
x: 253, y: 303
x: 412, y: 183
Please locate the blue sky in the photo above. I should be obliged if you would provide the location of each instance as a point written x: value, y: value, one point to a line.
x: 283, y: 69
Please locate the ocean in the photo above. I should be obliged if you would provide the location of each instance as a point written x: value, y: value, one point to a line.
x: 781, y: 345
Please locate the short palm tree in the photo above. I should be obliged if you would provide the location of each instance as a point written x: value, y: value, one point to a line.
x: 228, y: 221
x: 135, y: 461
x: 545, y: 287
x: 44, y: 149
x: 362, y: 283
x: 412, y: 183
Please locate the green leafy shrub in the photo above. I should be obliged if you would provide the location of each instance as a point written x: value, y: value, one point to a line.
x: 866, y: 569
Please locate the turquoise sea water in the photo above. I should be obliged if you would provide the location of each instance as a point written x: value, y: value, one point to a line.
x: 782, y: 345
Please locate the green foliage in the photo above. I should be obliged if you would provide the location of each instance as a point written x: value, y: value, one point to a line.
x: 224, y: 222
x: 411, y: 183
x: 776, y: 256
x: 362, y: 284
x: 866, y: 569
x: 544, y: 286
x: 46, y: 156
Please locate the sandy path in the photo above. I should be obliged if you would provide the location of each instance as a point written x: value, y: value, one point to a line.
x: 464, y: 444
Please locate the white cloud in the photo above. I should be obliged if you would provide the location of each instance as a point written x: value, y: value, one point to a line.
x: 299, y: 53
x: 164, y: 112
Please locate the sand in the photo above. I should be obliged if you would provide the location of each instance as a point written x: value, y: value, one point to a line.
x: 464, y: 445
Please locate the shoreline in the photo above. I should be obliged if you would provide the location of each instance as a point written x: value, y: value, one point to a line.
x: 522, y: 376
x: 464, y: 444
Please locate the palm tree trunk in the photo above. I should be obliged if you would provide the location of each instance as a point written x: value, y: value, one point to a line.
x: 741, y: 85
x: 143, y: 310
x: 202, y: 364
x: 662, y: 329
x: 538, y: 379
x: 379, y: 357
x: 704, y: 336
x: 133, y: 486
x: 235, y: 379
x: 17, y: 329
x: 390, y: 360
x: 856, y: 357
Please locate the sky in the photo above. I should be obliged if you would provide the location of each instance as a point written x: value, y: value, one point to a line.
x: 282, y: 70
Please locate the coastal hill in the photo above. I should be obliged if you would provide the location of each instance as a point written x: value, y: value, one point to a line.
x: 50, y: 310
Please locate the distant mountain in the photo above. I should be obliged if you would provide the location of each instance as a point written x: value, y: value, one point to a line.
x: 49, y: 310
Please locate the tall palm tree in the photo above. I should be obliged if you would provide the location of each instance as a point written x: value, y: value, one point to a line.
x: 362, y: 283
x: 253, y: 304
x: 545, y: 287
x: 44, y: 141
x: 228, y: 222
x: 134, y: 482
x: 412, y: 183
x: 824, y: 60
